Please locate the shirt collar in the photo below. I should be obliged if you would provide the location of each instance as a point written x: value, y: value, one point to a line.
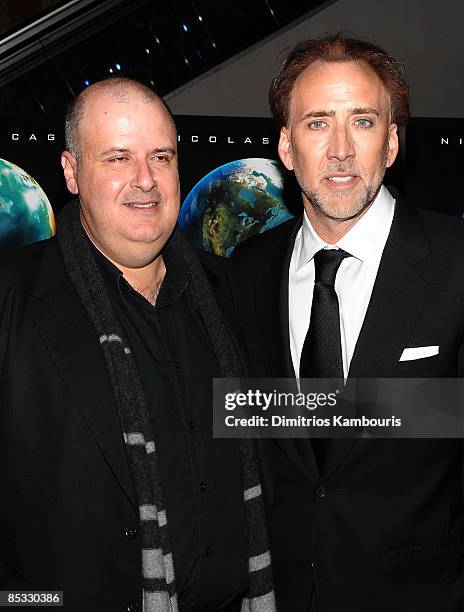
x: 365, y: 240
x: 111, y: 273
x: 174, y: 284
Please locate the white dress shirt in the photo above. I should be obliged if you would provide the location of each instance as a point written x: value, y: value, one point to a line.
x: 365, y: 242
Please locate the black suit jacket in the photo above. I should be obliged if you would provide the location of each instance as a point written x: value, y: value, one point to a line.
x: 381, y: 528
x: 68, y: 502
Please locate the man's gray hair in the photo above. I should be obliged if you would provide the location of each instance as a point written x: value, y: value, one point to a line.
x: 120, y: 89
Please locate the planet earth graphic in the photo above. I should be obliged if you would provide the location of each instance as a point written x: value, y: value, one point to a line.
x: 26, y: 215
x: 232, y: 203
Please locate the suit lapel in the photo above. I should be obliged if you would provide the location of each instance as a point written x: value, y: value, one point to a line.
x: 71, y: 340
x: 397, y: 299
x: 398, y: 295
x: 272, y: 288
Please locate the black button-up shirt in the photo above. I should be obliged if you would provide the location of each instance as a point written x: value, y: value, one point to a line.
x: 201, y: 477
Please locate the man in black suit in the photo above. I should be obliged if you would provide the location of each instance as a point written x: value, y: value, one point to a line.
x: 113, y: 489
x: 361, y: 285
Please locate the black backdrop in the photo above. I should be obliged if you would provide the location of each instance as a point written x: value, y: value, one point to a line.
x: 428, y: 167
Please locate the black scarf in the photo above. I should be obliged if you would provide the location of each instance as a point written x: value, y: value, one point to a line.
x: 158, y: 581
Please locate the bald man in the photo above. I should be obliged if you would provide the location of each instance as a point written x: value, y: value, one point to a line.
x: 113, y: 489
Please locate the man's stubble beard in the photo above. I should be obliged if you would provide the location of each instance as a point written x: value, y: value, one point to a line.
x: 319, y: 202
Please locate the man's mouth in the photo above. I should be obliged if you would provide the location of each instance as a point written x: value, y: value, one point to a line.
x: 341, y: 179
x: 141, y: 204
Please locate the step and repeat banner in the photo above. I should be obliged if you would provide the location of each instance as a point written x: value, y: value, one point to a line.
x: 233, y: 185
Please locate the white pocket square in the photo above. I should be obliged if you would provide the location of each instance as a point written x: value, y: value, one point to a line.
x: 419, y: 352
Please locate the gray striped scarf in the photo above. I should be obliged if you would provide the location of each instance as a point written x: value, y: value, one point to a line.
x: 158, y: 581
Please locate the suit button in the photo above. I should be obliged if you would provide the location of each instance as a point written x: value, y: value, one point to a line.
x: 133, y: 607
x: 191, y: 424
x: 321, y: 492
x: 202, y: 486
x: 207, y: 551
x: 131, y: 534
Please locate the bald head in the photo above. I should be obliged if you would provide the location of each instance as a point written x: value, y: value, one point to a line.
x: 116, y: 89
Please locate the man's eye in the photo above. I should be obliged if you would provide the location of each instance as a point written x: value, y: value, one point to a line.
x: 161, y: 158
x: 317, y: 125
x: 364, y: 123
x: 118, y: 159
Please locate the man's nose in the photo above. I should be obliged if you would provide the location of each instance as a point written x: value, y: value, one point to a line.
x: 340, y: 145
x: 144, y: 176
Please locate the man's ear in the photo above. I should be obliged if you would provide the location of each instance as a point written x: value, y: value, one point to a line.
x: 69, y: 165
x: 284, y: 148
x: 392, y: 144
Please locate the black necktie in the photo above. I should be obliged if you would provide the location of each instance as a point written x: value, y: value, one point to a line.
x: 321, y: 356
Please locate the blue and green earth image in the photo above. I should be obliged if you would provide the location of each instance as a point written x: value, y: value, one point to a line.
x: 232, y: 203
x: 26, y: 215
